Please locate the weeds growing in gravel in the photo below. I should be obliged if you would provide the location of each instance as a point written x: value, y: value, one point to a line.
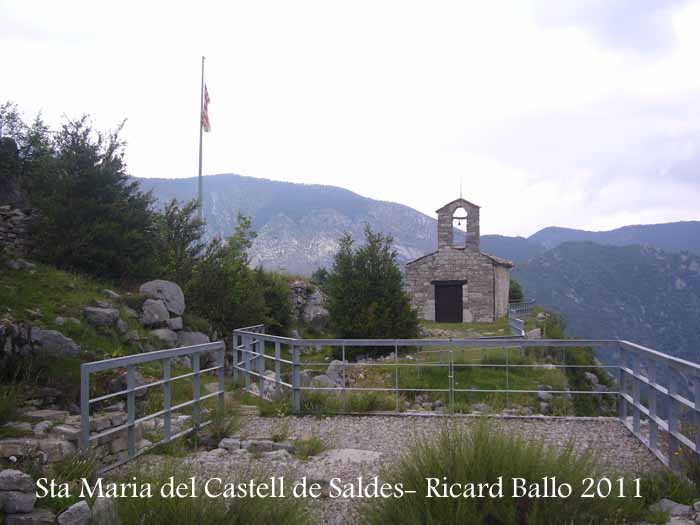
x: 305, y: 448
x: 482, y: 454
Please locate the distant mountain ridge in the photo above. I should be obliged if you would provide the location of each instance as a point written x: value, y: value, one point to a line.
x: 631, y: 282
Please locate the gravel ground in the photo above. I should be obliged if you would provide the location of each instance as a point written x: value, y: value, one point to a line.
x: 363, y: 445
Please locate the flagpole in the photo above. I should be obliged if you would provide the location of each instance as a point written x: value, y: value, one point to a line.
x: 201, y: 108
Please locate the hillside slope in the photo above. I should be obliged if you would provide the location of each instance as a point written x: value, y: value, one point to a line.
x: 633, y: 292
x: 298, y: 225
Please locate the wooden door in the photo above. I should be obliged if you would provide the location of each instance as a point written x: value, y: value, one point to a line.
x: 448, y: 303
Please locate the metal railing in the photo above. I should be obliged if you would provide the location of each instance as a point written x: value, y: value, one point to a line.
x: 673, y: 425
x: 516, y: 325
x: 522, y: 307
x: 165, y: 358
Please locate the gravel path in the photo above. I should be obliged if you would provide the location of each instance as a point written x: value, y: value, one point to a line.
x: 376, y: 441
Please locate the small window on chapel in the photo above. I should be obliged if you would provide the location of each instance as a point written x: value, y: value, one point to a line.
x: 459, y: 228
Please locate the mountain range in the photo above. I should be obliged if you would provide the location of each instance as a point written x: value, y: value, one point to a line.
x: 637, y: 282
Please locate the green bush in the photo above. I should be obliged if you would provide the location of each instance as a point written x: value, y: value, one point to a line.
x: 515, y: 292
x: 366, y: 298
x: 481, y: 455
x: 305, y: 448
x: 8, y: 403
x: 225, y: 421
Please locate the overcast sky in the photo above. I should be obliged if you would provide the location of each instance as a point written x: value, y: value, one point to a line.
x: 581, y: 113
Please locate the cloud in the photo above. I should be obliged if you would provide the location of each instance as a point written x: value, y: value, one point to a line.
x: 641, y: 26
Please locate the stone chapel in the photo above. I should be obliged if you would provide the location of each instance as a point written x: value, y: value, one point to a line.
x: 458, y: 283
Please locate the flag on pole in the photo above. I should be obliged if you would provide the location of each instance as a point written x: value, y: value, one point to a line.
x: 206, y: 126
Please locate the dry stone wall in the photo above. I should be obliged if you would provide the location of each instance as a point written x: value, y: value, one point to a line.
x: 15, y: 229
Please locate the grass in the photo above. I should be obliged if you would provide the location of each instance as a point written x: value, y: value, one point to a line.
x: 481, y: 455
x: 8, y: 403
x: 225, y: 421
x: 305, y: 448
x: 496, y: 328
x: 203, y: 510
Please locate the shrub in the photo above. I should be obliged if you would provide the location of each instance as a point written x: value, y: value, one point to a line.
x: 305, y: 448
x: 203, y: 510
x: 515, y: 292
x: 482, y: 455
x: 366, y: 298
x: 225, y: 421
x: 8, y: 403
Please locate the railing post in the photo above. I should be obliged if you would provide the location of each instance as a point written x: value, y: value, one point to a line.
x: 396, y: 375
x: 196, y: 419
x: 222, y: 374
x: 84, y: 408
x: 653, y: 425
x: 622, y: 384
x: 131, y: 410
x: 278, y: 369
x: 507, y: 377
x: 167, y: 400
x: 345, y: 394
x: 451, y: 382
x: 635, y: 394
x: 260, y: 347
x: 673, y: 416
x: 234, y: 344
x: 246, y: 359
x: 296, y: 392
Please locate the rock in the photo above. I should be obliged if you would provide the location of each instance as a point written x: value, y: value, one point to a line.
x: 166, y: 335
x: 544, y: 396
x: 111, y: 294
x: 191, y: 338
x: 670, y: 507
x: 335, y: 371
x: 132, y: 335
x: 592, y: 378
x: 154, y: 313
x: 20, y: 264
x: 544, y: 408
x: 103, y: 511
x: 119, y: 383
x: 46, y: 415
x: 350, y: 455
x: 277, y: 455
x: 19, y: 425
x: 305, y: 377
x: 56, y: 449
x: 481, y: 407
x: 175, y: 323
x: 314, y: 312
x: 69, y: 432
x: 169, y: 292
x: 41, y: 429
x: 15, y: 480
x: 122, y: 328
x: 36, y: 517
x: 130, y: 312
x: 60, y: 321
x: 77, y: 514
x: 264, y: 445
x: 535, y: 333
x: 54, y: 342
x: 18, y: 502
x: 230, y: 444
x: 323, y: 381
x: 98, y: 316
x: 696, y: 506
x: 17, y: 447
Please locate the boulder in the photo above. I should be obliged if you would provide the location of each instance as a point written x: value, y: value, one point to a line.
x: 54, y: 342
x: 103, y: 511
x: 36, y: 517
x: 335, y: 371
x: 122, y: 328
x: 535, y: 333
x: 230, y: 444
x: 98, y: 316
x: 191, y: 338
x: 111, y: 294
x: 77, y: 514
x: 670, y: 507
x: 323, y: 381
x: 154, y: 313
x: 175, y: 323
x: 60, y: 321
x: 18, y: 502
x: 544, y: 396
x: 37, y: 416
x: 20, y: 264
x: 314, y: 312
x: 56, y: 449
x: 166, y: 335
x: 592, y: 378
x: 169, y: 292
x: 14, y: 480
